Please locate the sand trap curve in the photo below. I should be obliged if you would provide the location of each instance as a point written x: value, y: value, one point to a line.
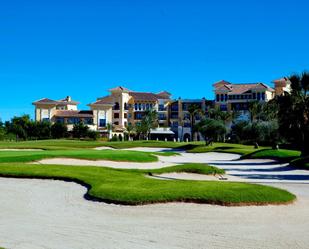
x: 21, y: 150
x: 104, y: 163
x: 164, y: 161
x: 46, y: 214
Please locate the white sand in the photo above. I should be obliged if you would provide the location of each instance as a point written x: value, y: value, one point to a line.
x: 250, y: 170
x: 104, y: 163
x: 44, y: 214
x: 21, y: 150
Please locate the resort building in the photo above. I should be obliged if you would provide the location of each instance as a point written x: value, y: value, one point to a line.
x: 113, y: 113
x: 282, y: 86
x: 64, y: 111
x: 124, y: 107
x: 180, y: 120
x: 236, y: 97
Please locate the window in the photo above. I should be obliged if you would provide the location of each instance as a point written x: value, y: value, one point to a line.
x: 102, y: 122
x: 135, y: 106
x: 129, y: 115
x: 125, y: 106
x: 138, y: 115
x: 147, y: 106
x: 60, y: 120
x: 73, y: 120
x: 225, y: 97
x: 116, y: 115
x: 139, y: 106
x: 222, y: 97
x: 175, y: 124
x: 88, y: 121
x: 218, y: 97
x: 116, y: 106
x: 263, y: 96
x: 254, y: 95
x: 223, y: 107
x: 116, y: 123
x: 125, y: 115
x: 258, y: 96
x: 162, y: 116
x: 45, y: 119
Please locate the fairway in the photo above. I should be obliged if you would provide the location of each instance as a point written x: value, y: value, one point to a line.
x: 132, y: 186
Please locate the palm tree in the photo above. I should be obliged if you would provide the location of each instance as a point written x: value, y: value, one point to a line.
x: 293, y: 114
x: 255, y: 109
x: 149, y: 121
x: 130, y: 128
x: 193, y: 110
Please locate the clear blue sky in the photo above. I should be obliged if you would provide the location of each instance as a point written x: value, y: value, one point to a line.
x: 82, y: 48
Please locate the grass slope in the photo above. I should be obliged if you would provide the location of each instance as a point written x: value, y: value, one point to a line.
x: 113, y: 155
x: 131, y: 187
x: 280, y: 155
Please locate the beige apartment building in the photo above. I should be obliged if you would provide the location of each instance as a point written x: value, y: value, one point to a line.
x: 113, y: 113
x: 236, y: 97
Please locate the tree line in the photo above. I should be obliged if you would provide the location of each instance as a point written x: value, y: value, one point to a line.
x: 23, y: 128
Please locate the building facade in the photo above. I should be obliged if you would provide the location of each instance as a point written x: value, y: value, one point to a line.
x: 113, y: 113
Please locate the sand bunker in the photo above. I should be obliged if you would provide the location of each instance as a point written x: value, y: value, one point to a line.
x: 104, y: 163
x: 45, y: 214
x: 21, y: 150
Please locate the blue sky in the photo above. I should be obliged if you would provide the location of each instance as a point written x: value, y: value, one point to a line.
x: 82, y: 48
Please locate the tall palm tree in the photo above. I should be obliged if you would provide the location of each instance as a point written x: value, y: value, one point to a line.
x: 130, y: 129
x: 193, y: 110
x: 149, y: 121
x: 255, y: 109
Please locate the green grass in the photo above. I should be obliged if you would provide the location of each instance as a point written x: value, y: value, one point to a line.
x: 190, y: 168
x: 131, y: 187
x: 113, y: 155
x: 279, y: 155
x: 225, y: 147
x: 77, y: 144
x: 302, y: 163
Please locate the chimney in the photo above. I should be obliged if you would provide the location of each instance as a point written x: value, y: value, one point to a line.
x: 68, y: 98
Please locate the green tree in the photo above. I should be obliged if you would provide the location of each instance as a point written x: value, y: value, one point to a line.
x: 194, y: 111
x: 148, y: 122
x: 80, y: 130
x: 59, y: 130
x: 212, y: 130
x: 293, y: 114
x: 130, y: 128
x: 19, y: 126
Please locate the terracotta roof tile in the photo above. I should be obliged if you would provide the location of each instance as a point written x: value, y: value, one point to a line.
x: 107, y: 100
x: 119, y: 88
x: 144, y: 96
x: 73, y: 114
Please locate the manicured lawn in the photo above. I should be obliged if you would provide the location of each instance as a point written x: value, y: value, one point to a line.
x: 131, y: 187
x: 113, y: 155
x: 302, y: 163
x: 280, y: 155
x: 225, y: 147
x: 77, y: 144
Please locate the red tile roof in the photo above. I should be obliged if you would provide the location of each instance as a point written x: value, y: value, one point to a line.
x: 73, y: 114
x: 240, y: 88
x: 45, y: 101
x: 119, y: 88
x: 108, y: 100
x: 144, y: 96
x: 55, y: 102
x: 164, y: 95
